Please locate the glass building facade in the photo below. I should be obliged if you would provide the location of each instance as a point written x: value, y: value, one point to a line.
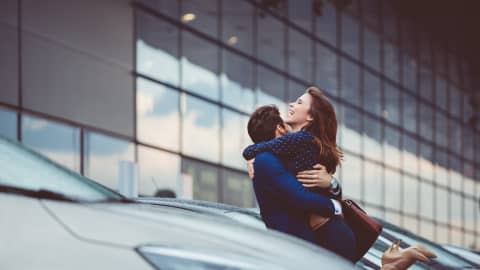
x: 201, y: 67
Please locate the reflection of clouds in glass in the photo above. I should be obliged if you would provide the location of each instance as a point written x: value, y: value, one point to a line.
x: 410, y: 189
x: 266, y: 99
x: 351, y: 177
x: 102, y: 158
x: 374, y: 181
x: 199, y: 79
x: 8, y: 128
x: 392, y: 189
x: 158, y: 170
x: 235, y: 139
x: 58, y: 142
x: 236, y: 95
x: 201, y: 125
x: 157, y: 63
x: 158, y: 119
x: 350, y: 139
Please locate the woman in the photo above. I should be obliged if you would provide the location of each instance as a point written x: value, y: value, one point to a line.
x: 313, y: 140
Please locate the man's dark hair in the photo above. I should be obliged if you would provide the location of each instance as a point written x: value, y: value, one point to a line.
x: 263, y: 123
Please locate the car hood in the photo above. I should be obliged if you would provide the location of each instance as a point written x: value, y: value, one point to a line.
x: 133, y: 225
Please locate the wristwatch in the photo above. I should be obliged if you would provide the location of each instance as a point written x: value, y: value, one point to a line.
x: 334, y: 184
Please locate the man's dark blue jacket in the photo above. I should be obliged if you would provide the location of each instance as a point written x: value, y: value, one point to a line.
x: 284, y: 203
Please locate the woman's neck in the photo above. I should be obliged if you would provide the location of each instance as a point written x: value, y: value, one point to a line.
x: 298, y: 127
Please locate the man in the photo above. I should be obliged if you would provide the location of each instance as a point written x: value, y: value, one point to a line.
x: 285, y: 204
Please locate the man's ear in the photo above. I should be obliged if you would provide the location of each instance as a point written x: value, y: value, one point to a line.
x: 280, y: 131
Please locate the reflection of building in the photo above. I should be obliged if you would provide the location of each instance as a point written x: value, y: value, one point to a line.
x: 170, y: 84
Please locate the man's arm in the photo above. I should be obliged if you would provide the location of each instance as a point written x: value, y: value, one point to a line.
x: 274, y: 176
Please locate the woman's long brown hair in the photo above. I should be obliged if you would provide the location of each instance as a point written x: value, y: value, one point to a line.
x: 324, y: 129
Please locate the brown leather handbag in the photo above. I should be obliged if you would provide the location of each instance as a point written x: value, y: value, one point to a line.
x: 365, y: 228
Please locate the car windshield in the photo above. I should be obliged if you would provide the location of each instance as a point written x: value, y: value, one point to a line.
x: 444, y: 257
x: 23, y: 169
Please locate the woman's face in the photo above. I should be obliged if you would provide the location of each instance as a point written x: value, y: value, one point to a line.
x: 298, y: 115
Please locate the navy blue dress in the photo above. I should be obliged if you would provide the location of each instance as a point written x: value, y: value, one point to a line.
x: 298, y: 152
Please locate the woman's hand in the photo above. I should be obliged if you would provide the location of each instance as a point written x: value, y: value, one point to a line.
x: 319, y: 177
x: 251, y: 173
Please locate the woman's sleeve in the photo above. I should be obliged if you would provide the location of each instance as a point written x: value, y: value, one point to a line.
x: 284, y: 146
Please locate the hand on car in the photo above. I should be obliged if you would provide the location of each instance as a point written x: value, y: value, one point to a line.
x: 319, y: 177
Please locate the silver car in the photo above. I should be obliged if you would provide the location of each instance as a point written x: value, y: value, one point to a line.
x: 52, y: 218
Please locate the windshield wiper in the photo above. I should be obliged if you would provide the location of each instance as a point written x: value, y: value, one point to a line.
x: 40, y: 194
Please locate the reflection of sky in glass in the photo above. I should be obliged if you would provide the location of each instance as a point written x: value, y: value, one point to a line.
x: 158, y: 170
x: 351, y: 138
x: 392, y: 189
x: 427, y: 230
x: 409, y: 72
x: 374, y: 182
x: 442, y: 205
x: 237, y: 81
x: 372, y: 139
x: 235, y: 138
x: 271, y: 41
x: 426, y: 200
x: 102, y: 158
x: 470, y: 210
x: 157, y: 63
x: 326, y: 24
x: 350, y: 35
x: 205, y: 180
x: 410, y: 195
x: 199, y: 66
x: 351, y: 82
x: 56, y: 141
x: 391, y: 61
x: 391, y: 147
x: 300, y: 55
x: 456, y: 204
x: 409, y: 157
x: 371, y: 48
x: 201, y: 123
x: 351, y: 177
x: 237, y: 189
x: 237, y: 96
x: 326, y: 69
x: 8, y: 128
x: 158, y: 115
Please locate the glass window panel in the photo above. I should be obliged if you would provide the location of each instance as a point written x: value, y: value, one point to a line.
x: 453, y: 67
x: 410, y: 164
x: 326, y: 69
x: 372, y: 94
x: 424, y: 47
x: 350, y: 35
x: 234, y: 138
x: 237, y: 25
x: 426, y: 165
x: 469, y: 183
x: 8, y: 128
x: 326, y: 21
x: 157, y: 110
x: 441, y: 129
x: 201, y: 15
x: 410, y: 195
x: 373, y: 175
x: 375, y: 211
x: 352, y: 168
x: 441, y: 163
x: 392, y: 104
x: 471, y: 209
x: 426, y: 83
x: 271, y: 40
x: 456, y: 101
x: 237, y: 82
x: 393, y: 218
x: 391, y: 61
x: 351, y: 82
x: 408, y: 31
x: 300, y: 55
x: 469, y: 143
x: 56, y: 141
x: 201, y: 123
x: 271, y: 89
x: 392, y: 148
x: 442, y: 234
x: 372, y: 139
x: 409, y: 106
x: 103, y: 155
x: 441, y: 92
x: 440, y: 59
x: 300, y: 13
x: 157, y: 49
x: 426, y: 121
x: 468, y: 110
x: 442, y: 205
x: 203, y: 179
x: 351, y: 129
x: 392, y: 189
x: 455, y: 136
x: 295, y: 90
x: 167, y: 7
x: 159, y: 172
x: 427, y: 230
x: 409, y: 79
x: 426, y: 200
x: 389, y: 20
x: 410, y: 223
x: 237, y: 189
x: 200, y: 66
x: 456, y: 237
x: 456, y: 179
x: 371, y: 48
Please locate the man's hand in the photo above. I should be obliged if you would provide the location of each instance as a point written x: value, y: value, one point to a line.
x: 315, y: 178
x: 251, y: 173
